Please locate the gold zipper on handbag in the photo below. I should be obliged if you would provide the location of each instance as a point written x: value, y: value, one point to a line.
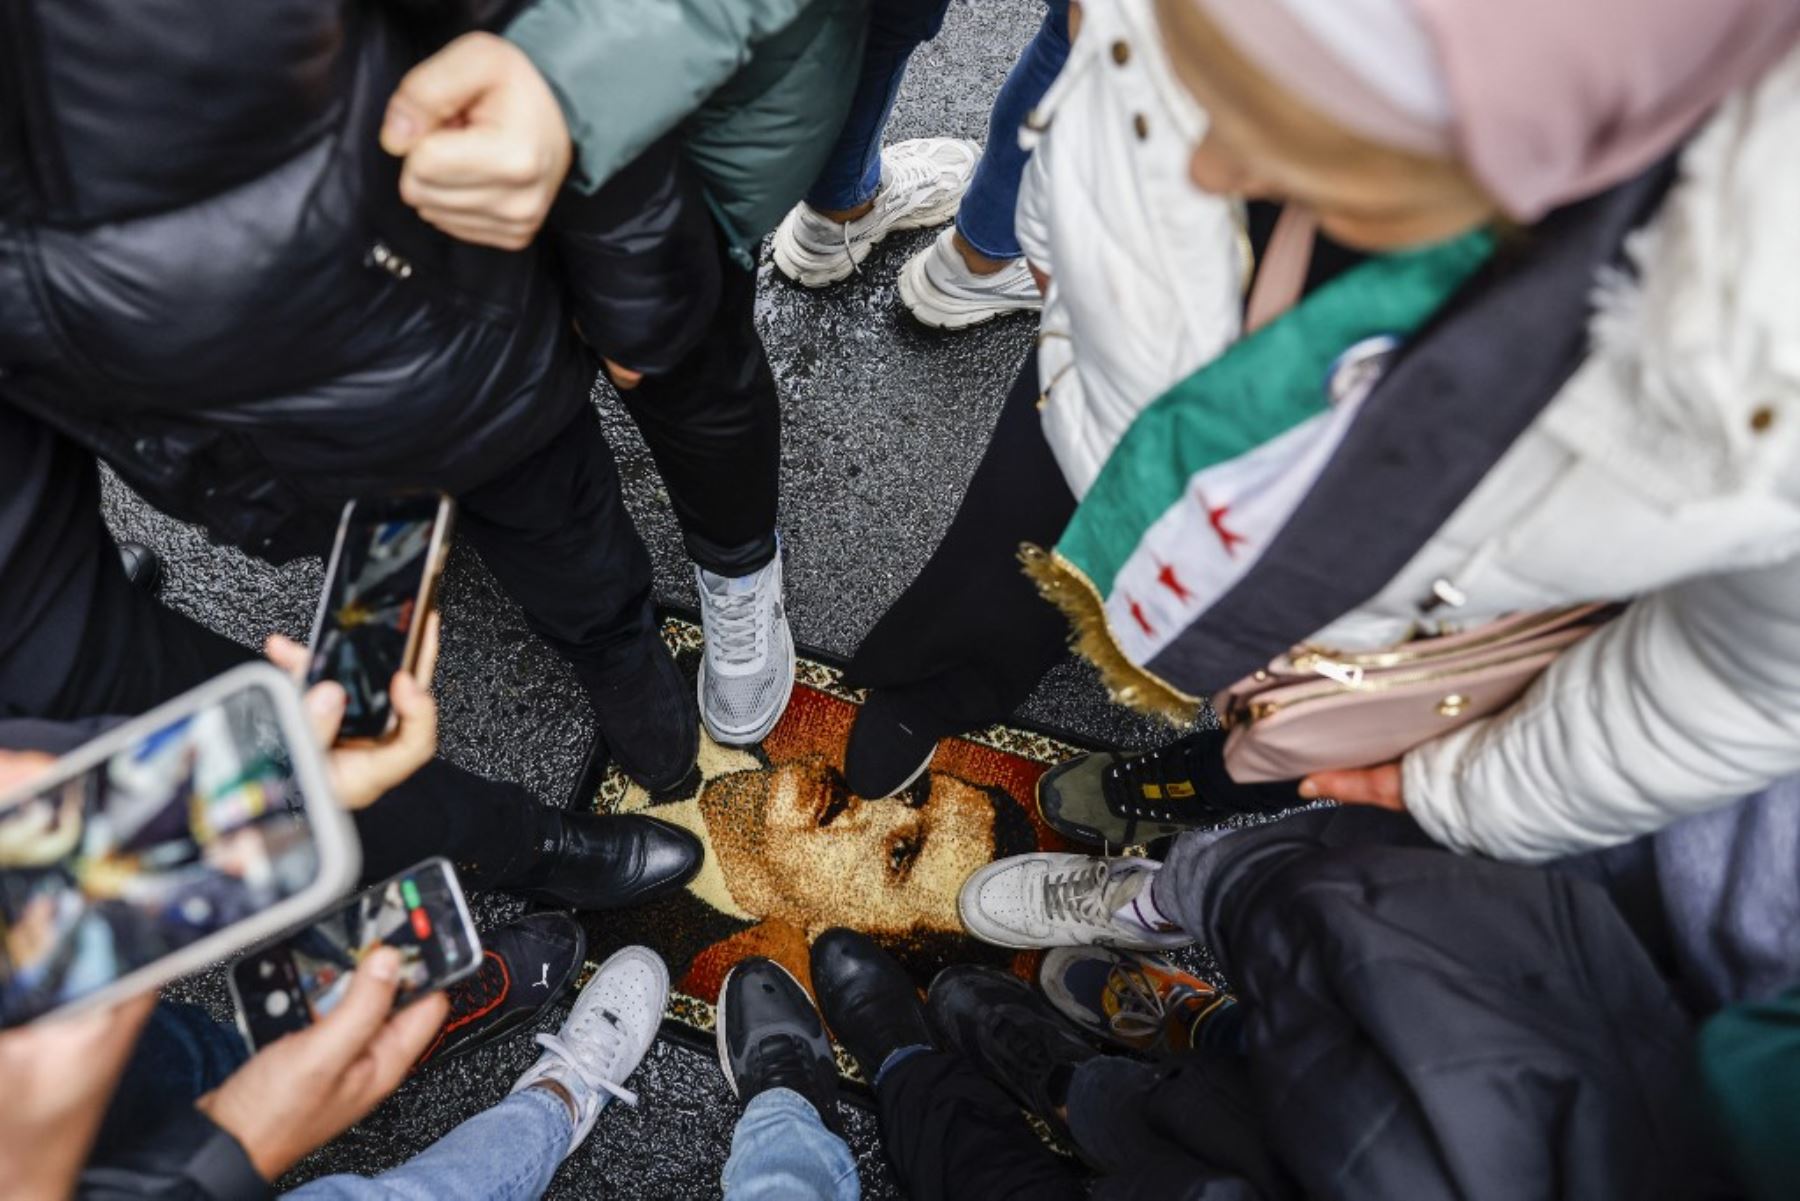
x: 1262, y: 709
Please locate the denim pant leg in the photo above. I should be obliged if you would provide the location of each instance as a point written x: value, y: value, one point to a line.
x: 781, y: 1151
x: 506, y: 1153
x: 853, y: 170
x: 181, y: 1055
x: 985, y: 218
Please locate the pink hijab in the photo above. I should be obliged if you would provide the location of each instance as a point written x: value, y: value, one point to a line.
x: 1545, y: 101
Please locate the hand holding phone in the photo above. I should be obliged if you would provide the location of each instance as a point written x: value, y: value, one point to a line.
x: 362, y: 772
x: 300, y: 979
x: 165, y: 845
x: 304, y: 1091
x: 380, y: 586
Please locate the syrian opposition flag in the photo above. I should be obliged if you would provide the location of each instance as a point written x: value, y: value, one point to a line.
x: 1211, y: 470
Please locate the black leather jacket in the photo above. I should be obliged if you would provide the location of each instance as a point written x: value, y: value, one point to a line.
x: 208, y: 278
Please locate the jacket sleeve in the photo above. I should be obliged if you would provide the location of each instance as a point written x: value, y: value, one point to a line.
x: 1686, y: 703
x: 628, y: 71
x: 188, y: 1158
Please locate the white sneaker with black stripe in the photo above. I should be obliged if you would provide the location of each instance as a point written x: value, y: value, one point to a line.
x: 922, y: 182
x: 747, y: 670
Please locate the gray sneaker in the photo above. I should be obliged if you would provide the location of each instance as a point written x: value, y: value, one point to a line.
x: 747, y: 673
x: 1049, y: 899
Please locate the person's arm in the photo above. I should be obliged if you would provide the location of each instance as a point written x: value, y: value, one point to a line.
x: 628, y: 71
x: 1687, y: 702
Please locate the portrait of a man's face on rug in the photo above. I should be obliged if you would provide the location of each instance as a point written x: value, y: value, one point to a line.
x: 791, y: 852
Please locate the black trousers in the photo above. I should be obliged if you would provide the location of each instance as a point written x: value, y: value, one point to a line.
x: 555, y: 532
x: 655, y: 292
x: 950, y: 1134
x: 135, y: 653
x: 970, y: 638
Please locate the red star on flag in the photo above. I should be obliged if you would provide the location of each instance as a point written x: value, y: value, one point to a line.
x: 1216, y: 518
x: 1137, y: 615
x: 1168, y: 579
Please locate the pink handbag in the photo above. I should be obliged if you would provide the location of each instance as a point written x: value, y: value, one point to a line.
x: 1318, y: 710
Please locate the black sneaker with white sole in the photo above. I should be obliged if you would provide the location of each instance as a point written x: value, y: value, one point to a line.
x: 526, y: 966
x: 770, y: 1036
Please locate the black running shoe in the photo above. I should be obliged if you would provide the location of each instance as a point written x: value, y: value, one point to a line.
x: 868, y: 1000
x: 526, y: 966
x: 770, y: 1036
x: 1112, y: 799
x: 1007, y: 1030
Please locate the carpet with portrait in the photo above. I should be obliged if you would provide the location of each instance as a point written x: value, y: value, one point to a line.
x: 791, y: 853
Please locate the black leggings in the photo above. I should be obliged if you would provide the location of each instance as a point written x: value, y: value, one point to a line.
x: 970, y: 638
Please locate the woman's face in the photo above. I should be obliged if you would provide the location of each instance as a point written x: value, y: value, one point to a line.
x: 1264, y: 144
x: 796, y: 845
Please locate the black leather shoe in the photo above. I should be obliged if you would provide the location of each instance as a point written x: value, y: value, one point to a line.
x: 868, y: 1000
x: 143, y: 566
x: 610, y: 862
x: 1009, y: 1031
x: 770, y: 1036
x: 526, y: 966
x: 890, y: 746
x: 650, y: 718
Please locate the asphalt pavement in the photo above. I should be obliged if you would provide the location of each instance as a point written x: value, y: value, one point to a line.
x: 883, y: 424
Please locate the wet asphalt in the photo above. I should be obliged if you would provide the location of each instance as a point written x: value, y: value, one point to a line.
x: 883, y: 424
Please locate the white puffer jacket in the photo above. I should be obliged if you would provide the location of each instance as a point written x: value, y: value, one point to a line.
x: 1667, y: 469
x: 1146, y: 273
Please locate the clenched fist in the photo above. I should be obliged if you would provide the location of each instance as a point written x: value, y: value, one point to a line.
x: 484, y: 139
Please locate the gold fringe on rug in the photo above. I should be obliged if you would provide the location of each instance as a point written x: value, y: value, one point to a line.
x: 1065, y: 585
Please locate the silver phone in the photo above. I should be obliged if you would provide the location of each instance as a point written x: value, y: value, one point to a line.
x: 165, y: 845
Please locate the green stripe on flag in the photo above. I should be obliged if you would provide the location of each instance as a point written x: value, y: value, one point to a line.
x: 1263, y: 386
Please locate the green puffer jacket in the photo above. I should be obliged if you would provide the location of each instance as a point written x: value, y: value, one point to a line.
x: 759, y: 88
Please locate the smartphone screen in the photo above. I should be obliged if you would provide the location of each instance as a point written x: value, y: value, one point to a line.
x: 373, y: 595
x: 291, y: 984
x: 171, y: 831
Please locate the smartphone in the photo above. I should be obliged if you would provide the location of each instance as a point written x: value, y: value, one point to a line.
x: 166, y: 845
x: 293, y: 982
x: 380, y: 584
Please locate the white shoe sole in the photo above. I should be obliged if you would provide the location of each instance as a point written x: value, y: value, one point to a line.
x: 813, y: 270
x: 719, y: 1043
x: 762, y: 731
x: 934, y: 310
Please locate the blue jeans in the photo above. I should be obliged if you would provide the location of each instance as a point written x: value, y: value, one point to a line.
x: 852, y: 174
x: 506, y: 1153
x: 783, y: 1152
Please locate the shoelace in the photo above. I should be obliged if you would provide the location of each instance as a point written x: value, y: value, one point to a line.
x: 736, y: 635
x: 1077, y: 895
x: 784, y: 1061
x: 905, y: 181
x: 1125, y: 780
x: 612, y: 1041
x: 1142, y: 1010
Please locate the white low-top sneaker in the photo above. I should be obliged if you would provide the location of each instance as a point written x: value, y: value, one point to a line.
x: 747, y: 671
x: 940, y: 291
x: 606, y: 1036
x: 1056, y: 900
x: 922, y: 182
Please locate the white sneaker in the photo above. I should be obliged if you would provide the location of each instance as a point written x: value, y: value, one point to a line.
x: 747, y: 673
x: 1056, y: 900
x: 606, y: 1036
x: 939, y: 290
x: 922, y: 182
